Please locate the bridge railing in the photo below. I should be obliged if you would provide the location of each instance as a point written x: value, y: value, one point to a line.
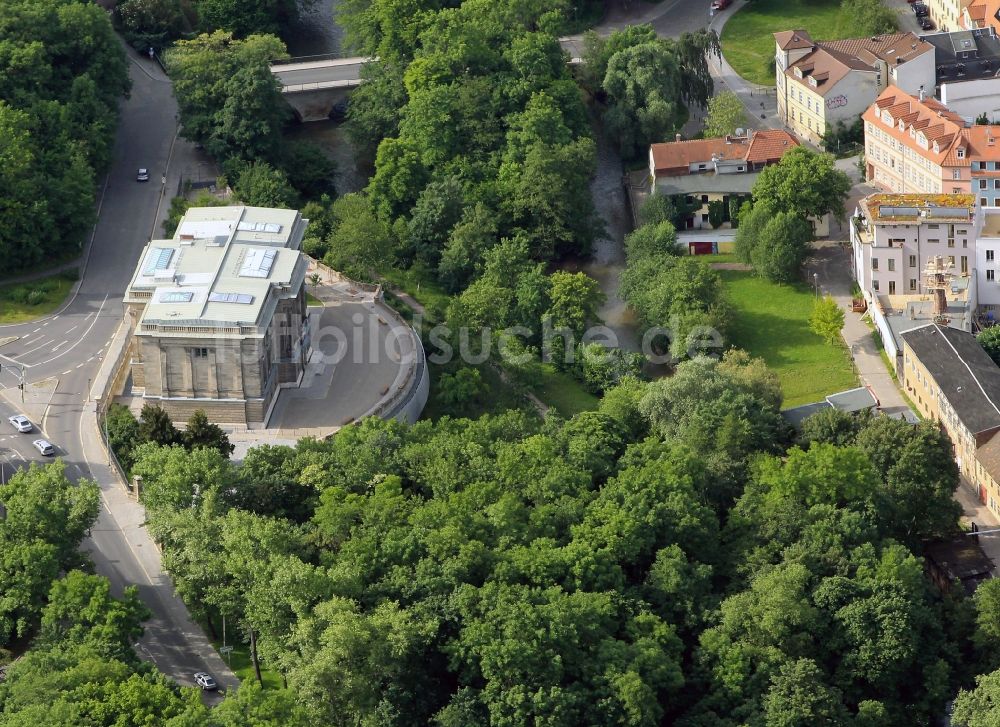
x: 316, y: 85
x: 307, y: 59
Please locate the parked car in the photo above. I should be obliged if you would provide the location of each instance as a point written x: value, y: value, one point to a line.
x: 921, y: 10
x: 21, y: 423
x: 44, y: 446
x: 926, y: 23
x: 205, y: 681
x: 142, y: 175
x: 718, y: 5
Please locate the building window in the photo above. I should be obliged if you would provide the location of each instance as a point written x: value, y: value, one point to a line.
x: 951, y: 242
x: 892, y: 265
x: 982, y: 202
x: 965, y: 264
x: 874, y: 263
x: 913, y: 283
x: 982, y: 184
x: 913, y: 261
x: 892, y: 287
x: 961, y: 152
x: 704, y: 199
x: 200, y: 352
x: 989, y: 256
x: 996, y: 184
x: 875, y: 285
x: 989, y: 275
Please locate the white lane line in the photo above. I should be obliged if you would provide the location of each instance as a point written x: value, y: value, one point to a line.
x: 54, y: 317
x: 82, y: 337
x: 37, y: 329
x: 42, y: 343
x: 80, y: 365
x: 46, y: 323
x: 70, y: 330
x: 59, y: 346
x: 66, y: 373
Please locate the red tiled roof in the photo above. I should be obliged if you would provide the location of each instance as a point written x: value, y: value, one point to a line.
x: 792, y: 39
x: 769, y: 145
x: 680, y: 154
x: 830, y: 61
x: 939, y: 124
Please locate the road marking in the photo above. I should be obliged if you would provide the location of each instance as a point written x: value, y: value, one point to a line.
x: 66, y: 373
x: 70, y: 330
x: 81, y: 365
x: 37, y: 329
x: 59, y: 346
x: 54, y: 317
x: 82, y: 337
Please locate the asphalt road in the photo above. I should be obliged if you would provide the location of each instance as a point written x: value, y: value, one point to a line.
x: 66, y: 349
x: 319, y: 72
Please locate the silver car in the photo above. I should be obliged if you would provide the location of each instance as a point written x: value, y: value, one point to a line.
x: 21, y: 423
x: 205, y: 681
x: 44, y: 446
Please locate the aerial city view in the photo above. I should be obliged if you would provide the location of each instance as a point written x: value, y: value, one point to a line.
x: 499, y: 363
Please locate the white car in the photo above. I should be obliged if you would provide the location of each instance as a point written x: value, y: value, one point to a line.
x: 142, y: 175
x: 205, y: 681
x: 44, y: 446
x: 21, y: 423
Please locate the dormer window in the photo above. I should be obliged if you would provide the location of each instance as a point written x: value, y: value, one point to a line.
x: 961, y: 152
x: 902, y: 125
x: 912, y: 132
x: 798, y: 72
x: 812, y: 81
x: 887, y: 118
x: 937, y: 149
x: 922, y: 140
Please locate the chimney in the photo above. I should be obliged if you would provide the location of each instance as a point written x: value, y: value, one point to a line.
x: 729, y: 139
x: 921, y: 94
x: 940, y: 304
x: 677, y: 137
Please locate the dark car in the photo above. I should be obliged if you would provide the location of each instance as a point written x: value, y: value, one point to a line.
x: 921, y: 10
x: 718, y: 5
x: 926, y: 23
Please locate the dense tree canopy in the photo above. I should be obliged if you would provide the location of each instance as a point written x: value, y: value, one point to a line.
x: 62, y: 71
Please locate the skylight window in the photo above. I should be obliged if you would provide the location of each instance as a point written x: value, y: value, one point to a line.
x: 257, y: 263
x: 158, y: 259
x: 243, y: 298
x: 259, y: 227
x: 175, y: 297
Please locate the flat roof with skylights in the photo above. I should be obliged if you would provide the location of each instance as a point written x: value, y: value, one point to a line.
x: 220, y: 268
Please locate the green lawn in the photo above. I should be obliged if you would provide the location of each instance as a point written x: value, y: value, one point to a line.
x: 312, y: 299
x: 562, y: 392
x: 772, y: 322
x: 239, y: 661
x: 749, y: 46
x: 27, y: 301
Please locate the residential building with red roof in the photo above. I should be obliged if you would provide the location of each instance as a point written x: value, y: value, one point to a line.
x: 717, y: 169
x: 821, y: 83
x: 915, y: 145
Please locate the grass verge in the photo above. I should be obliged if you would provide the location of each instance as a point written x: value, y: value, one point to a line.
x: 26, y: 301
x: 749, y: 46
x: 772, y: 321
x: 241, y: 664
x: 562, y: 392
